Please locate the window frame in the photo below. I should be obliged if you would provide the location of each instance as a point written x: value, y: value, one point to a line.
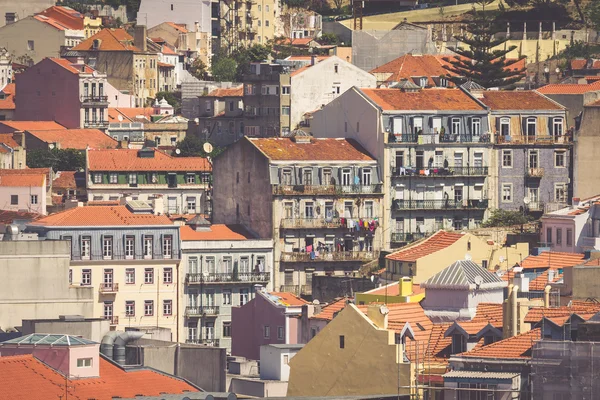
x: 509, y: 198
x: 107, y: 247
x: 167, y: 307
x: 86, y: 272
x: 148, y: 308
x: 129, y: 308
x: 531, y: 121
x: 130, y: 273
x: 560, y: 155
x: 507, y: 153
x: 149, y: 276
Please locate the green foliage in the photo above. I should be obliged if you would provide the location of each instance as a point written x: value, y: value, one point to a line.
x: 193, y: 146
x: 577, y: 49
x: 173, y: 98
x: 58, y: 159
x: 500, y: 218
x: 224, y: 69
x: 592, y: 14
x: 198, y: 69
x: 329, y: 38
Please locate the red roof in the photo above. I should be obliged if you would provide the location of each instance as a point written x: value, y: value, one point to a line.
x: 518, y: 100
x: 101, y: 216
x: 580, y: 63
x: 66, y: 180
x: 130, y: 114
x: 37, y: 180
x: 180, y: 27
x: 516, y: 347
x: 8, y: 216
x: 306, y: 58
x: 66, y: 16
x: 401, y: 313
x: 552, y: 259
x: 215, y: 232
x: 437, y: 242
x: 167, y: 50
x: 26, y: 378
x: 8, y: 139
x: 228, y: 92
x: 330, y: 309
x: 73, y: 67
x: 411, y: 66
x: 289, y: 299
x: 286, y: 149
x: 8, y: 102
x: 571, y: 88
x: 108, y: 39
x: 31, y: 125
x: 52, y: 22
x: 164, y: 65
x: 29, y: 171
x: 78, y: 139
x: 128, y: 160
x: 423, y: 99
x: 541, y: 281
x: 490, y: 313
x: 536, y: 314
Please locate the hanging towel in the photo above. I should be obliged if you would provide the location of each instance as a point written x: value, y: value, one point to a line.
x: 312, y: 255
x: 309, y: 248
x: 356, y: 180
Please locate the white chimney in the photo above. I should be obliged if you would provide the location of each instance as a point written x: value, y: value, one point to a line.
x: 522, y: 282
x: 550, y: 275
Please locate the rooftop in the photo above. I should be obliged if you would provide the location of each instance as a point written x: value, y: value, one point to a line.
x: 179, y: 27
x: 489, y: 312
x: 130, y: 114
x: 518, y: 100
x: 237, y: 91
x: 286, y: 149
x: 464, y: 274
x: 434, y: 243
x: 8, y: 139
x: 569, y: 88
x: 411, y: 66
x: 541, y: 281
x: 8, y: 216
x: 424, y: 99
x: 39, y: 339
x: 581, y: 63
x: 393, y: 289
x: 128, y: 160
x: 536, y: 314
x: 101, y: 216
x: 285, y: 299
x: 8, y: 100
x: 401, y: 313
x: 31, y: 125
x: 78, y: 139
x: 516, y: 347
x: 66, y: 16
x: 552, y: 259
x: 72, y: 67
x: 69, y: 180
x: 108, y: 39
x: 217, y: 232
x: 25, y: 180
x: 328, y: 312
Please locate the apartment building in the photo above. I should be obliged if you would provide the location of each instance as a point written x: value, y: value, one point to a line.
x: 221, y: 116
x: 23, y: 190
x: 221, y: 265
x: 533, y: 149
x: 129, y: 256
x: 319, y: 199
x: 74, y: 19
x: 182, y: 185
x: 188, y: 40
x: 434, y: 148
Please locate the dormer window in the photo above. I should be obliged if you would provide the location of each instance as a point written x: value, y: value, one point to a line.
x: 443, y: 82
x: 307, y: 176
x: 286, y: 176
x: 557, y: 127
x: 459, y: 344
x: 505, y: 126
x: 455, y: 126
x: 531, y: 126
x: 423, y: 82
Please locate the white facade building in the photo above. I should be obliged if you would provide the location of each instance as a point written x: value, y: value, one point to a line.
x: 155, y: 12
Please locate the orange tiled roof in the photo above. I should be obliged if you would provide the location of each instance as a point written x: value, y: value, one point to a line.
x: 101, y: 216
x: 8, y: 102
x: 31, y: 125
x: 552, y: 259
x: 286, y: 149
x: 330, y: 309
x: 7, y: 139
x: 8, y: 216
x: 300, y: 70
x: 66, y: 16
x: 25, y: 377
x: 289, y: 299
x: 437, y: 347
x: 401, y: 313
x: 52, y: 22
x: 109, y: 40
x: 411, y: 66
x: 65, y: 179
x: 164, y: 65
x: 394, y: 289
x: 216, y: 232
x: 580, y: 63
x: 78, y: 139
x: 541, y: 281
x: 514, y: 347
x: 227, y: 92
x: 518, y: 100
x: 128, y: 160
x: 130, y: 114
x: 306, y: 58
x: 536, y: 314
x: 72, y: 67
x: 28, y: 171
x: 424, y: 99
x: 570, y: 88
x: 180, y: 27
x: 167, y: 50
x: 434, y: 243
x: 36, y: 180
x: 489, y: 313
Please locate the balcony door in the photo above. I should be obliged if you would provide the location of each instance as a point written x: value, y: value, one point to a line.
x: 172, y: 205
x: 108, y: 278
x: 209, y: 330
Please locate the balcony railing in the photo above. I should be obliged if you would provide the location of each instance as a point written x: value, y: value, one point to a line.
x: 107, y: 288
x: 536, y: 139
x: 535, y: 172
x: 440, y: 204
x: 208, y: 311
x: 77, y: 256
x: 535, y: 206
x: 330, y: 256
x: 331, y: 190
x: 113, y: 320
x: 436, y: 138
x: 310, y: 223
x: 298, y: 290
x: 436, y: 172
x: 94, y: 99
x: 402, y: 237
x: 95, y: 124
x: 205, y: 342
x: 226, y: 277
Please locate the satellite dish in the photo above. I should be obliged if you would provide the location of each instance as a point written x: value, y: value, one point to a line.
x: 384, y: 310
x: 197, y: 120
x: 208, y: 148
x: 501, y: 259
x: 316, y: 302
x: 177, y: 151
x: 478, y: 280
x: 51, y: 146
x: 468, y: 257
x: 120, y: 118
x: 526, y: 200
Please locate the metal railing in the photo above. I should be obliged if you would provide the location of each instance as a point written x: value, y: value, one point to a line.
x: 77, y: 256
x: 436, y: 138
x: 521, y: 139
x: 327, y: 189
x: 330, y: 256
x: 435, y: 172
x: 112, y: 320
x: 201, y: 311
x: 293, y: 289
x: 228, y: 277
x: 535, y: 172
x: 535, y: 206
x: 106, y: 288
x: 402, y: 237
x: 205, y: 342
x: 300, y: 223
x: 94, y: 124
x: 94, y: 98
x: 439, y: 204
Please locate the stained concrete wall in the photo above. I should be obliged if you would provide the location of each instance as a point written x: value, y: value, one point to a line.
x: 327, y: 288
x: 586, y: 150
x: 92, y: 329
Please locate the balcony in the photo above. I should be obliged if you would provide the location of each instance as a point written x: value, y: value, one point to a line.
x: 535, y: 206
x: 440, y: 204
x: 437, y: 138
x: 532, y: 139
x: 77, y: 256
x: 109, y: 288
x: 94, y: 99
x: 401, y: 237
x: 95, y: 124
x: 204, y: 342
x: 113, y: 320
x: 535, y: 173
x: 438, y: 172
x: 205, y: 311
x: 240, y: 277
x: 298, y: 290
x: 310, y: 223
x: 330, y: 257
x: 326, y: 190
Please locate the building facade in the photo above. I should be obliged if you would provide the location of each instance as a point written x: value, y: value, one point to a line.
x: 221, y: 116
x: 23, y: 191
x: 220, y: 267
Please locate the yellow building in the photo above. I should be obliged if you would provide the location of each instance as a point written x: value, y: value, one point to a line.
x: 426, y: 258
x: 403, y: 291
x: 91, y: 26
x: 248, y: 22
x: 339, y: 361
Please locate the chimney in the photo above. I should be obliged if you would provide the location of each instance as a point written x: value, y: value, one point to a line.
x: 405, y: 286
x: 313, y: 60
x: 79, y: 60
x: 521, y: 281
x: 378, y: 314
x: 197, y: 26
x: 19, y: 137
x: 139, y: 37
x: 550, y: 275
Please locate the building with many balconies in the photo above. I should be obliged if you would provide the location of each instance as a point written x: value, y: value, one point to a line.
x: 318, y: 199
x: 221, y: 264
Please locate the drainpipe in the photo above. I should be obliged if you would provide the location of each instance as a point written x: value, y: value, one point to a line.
x: 514, y: 318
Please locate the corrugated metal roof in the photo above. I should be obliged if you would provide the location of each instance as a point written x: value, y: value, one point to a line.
x: 480, y: 375
x: 463, y: 274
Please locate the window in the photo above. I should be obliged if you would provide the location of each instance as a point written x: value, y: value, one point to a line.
x: 569, y: 237
x: 167, y: 307
x: 148, y: 308
x: 286, y: 177
x: 458, y: 159
x: 148, y: 246
x: 130, y: 276
x: 559, y: 158
x: 129, y: 247
x: 476, y: 126
x: 458, y: 194
x: 167, y: 246
x: 113, y: 178
x: 423, y: 82
x: 455, y: 126
x: 14, y: 199
x: 285, y: 110
x: 309, y: 210
x: 168, y: 275
x: 84, y: 362
x: 560, y: 192
x: 548, y: 235
x: 346, y: 177
x: 191, y: 204
x: 226, y: 329
x: 86, y: 277
x: 285, y: 90
x: 342, y: 342
x: 530, y: 126
x: 130, y: 308
x: 107, y: 247
x: 30, y: 45
x: 97, y: 178
x: 86, y: 247
x: 366, y: 176
x: 336, y: 68
x: 266, y: 331
x: 149, y: 276
x: 108, y: 309
x: 132, y: 179
x: 507, y: 158
x: 244, y: 296
x: 34, y: 199
x: 557, y: 126
x: 280, y: 333
x: 369, y: 209
x: 267, y: 22
x: 559, y: 236
x: 226, y: 297
x: 534, y: 161
x: 326, y: 176
x: 505, y: 126
x: 507, y: 192
x: 458, y: 344
x: 190, y: 179
x: 307, y: 176
x: 70, y: 276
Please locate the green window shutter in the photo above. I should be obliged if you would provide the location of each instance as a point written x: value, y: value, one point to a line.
x: 162, y: 179
x: 105, y: 178
x: 180, y: 178
x: 122, y: 178
x: 141, y: 178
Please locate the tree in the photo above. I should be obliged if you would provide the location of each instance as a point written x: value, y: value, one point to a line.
x: 329, y: 38
x: 198, y: 69
x: 243, y: 56
x: 193, y: 146
x: 483, y: 61
x: 592, y: 12
x: 499, y: 218
x: 58, y: 159
x: 577, y: 49
x: 224, y: 69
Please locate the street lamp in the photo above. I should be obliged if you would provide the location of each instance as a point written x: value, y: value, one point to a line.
x: 547, y: 73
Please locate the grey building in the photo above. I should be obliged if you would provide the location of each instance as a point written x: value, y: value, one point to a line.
x: 220, y: 116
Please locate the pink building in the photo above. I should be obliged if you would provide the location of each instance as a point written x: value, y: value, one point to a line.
x: 269, y: 318
x: 23, y: 191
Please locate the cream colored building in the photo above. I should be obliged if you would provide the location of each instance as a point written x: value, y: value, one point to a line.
x: 127, y: 256
x: 248, y: 22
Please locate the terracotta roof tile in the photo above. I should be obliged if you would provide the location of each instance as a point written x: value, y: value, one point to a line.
x: 8, y: 139
x: 237, y: 91
x: 9, y: 216
x: 78, y: 139
x: 286, y: 149
x: 164, y: 65
x: 73, y: 67
x: 593, y: 262
x: 167, y: 50
x: 180, y: 27
x: 516, y: 347
x: 289, y: 299
x: 25, y: 377
x: 580, y: 63
x: 306, y: 58
x: 570, y: 88
x: 31, y: 125
x: 489, y: 313
x: 401, y: 313
x: 300, y: 70
x: 394, y: 289
x: 518, y: 100
x: 424, y: 99
x: 68, y: 180
x: 541, y: 281
x: 29, y: 171
x: 130, y: 114
x: 434, y: 243
x: 552, y: 259
x: 101, y: 216
x: 8, y: 102
x: 216, y: 232
x: 536, y: 314
x: 411, y: 66
x: 109, y: 40
x: 128, y: 160
x: 330, y: 309
x: 52, y: 22
x: 34, y: 180
x: 66, y: 16
x: 437, y: 349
